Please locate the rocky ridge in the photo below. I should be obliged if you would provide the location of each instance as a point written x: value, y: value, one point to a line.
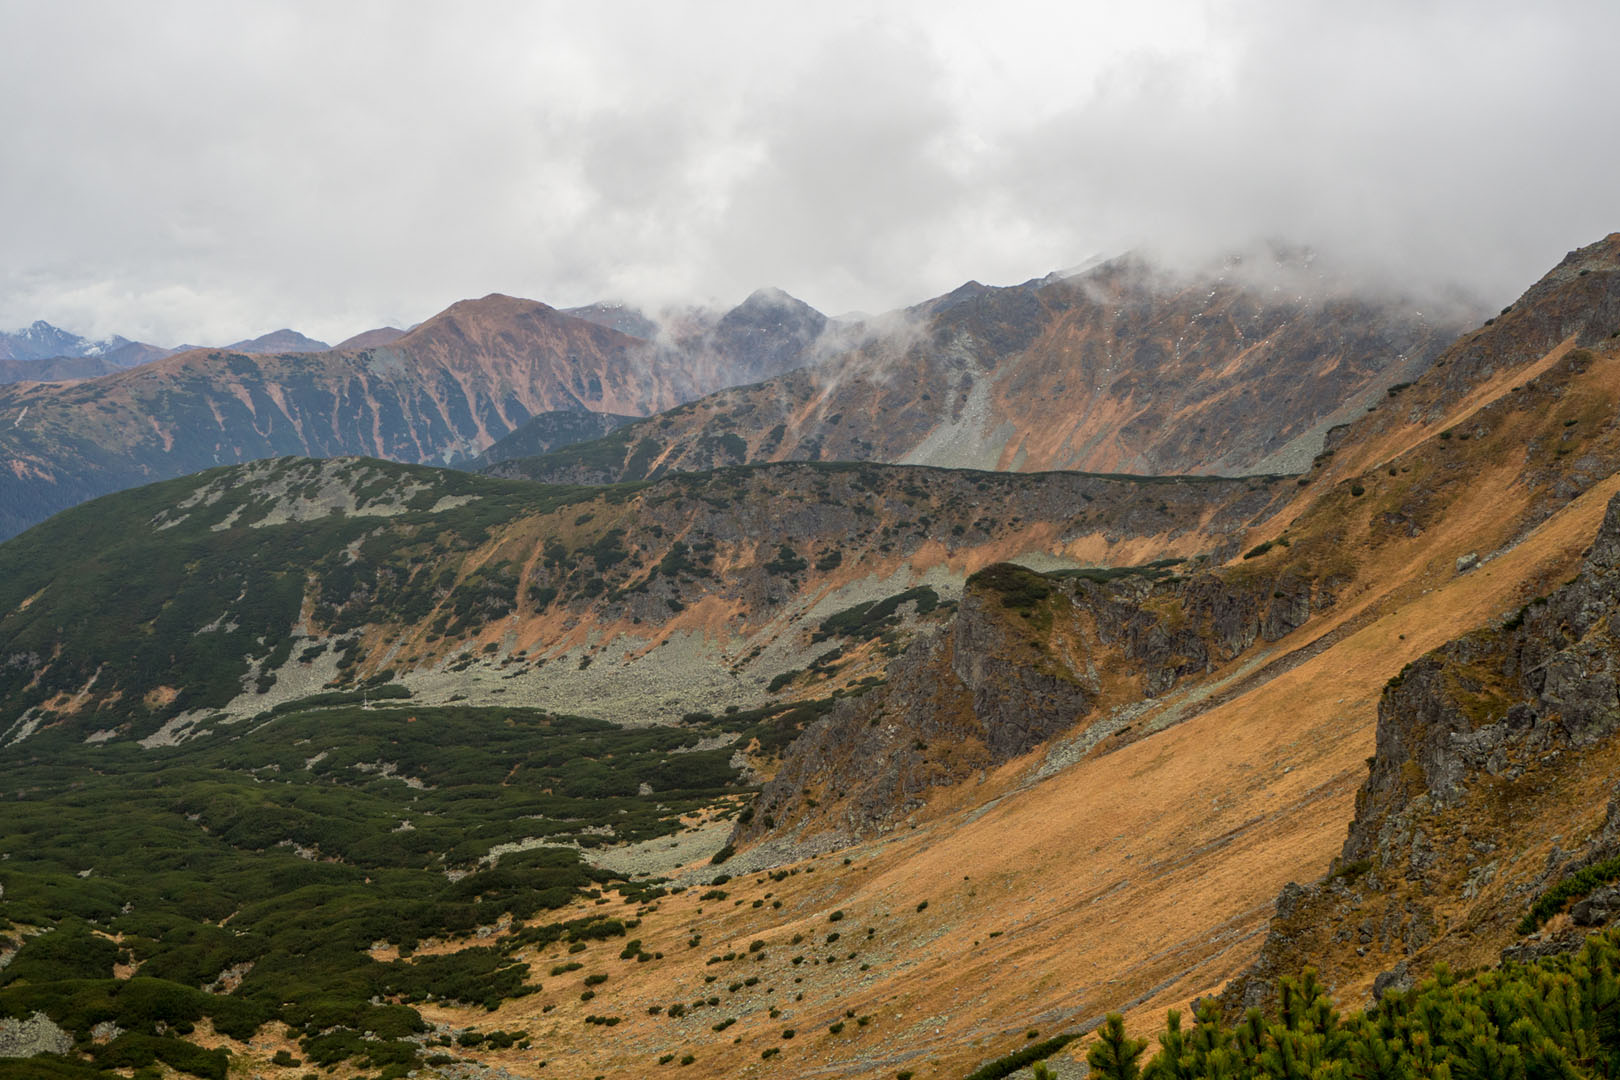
x: 637, y: 602
x: 440, y: 394
x: 1120, y: 368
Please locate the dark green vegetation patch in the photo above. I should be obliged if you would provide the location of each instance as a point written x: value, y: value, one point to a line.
x: 247, y: 875
x: 202, y: 565
x: 1557, y: 1017
x: 866, y: 621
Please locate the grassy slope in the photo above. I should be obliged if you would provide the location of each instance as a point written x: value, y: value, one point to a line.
x: 1176, y: 843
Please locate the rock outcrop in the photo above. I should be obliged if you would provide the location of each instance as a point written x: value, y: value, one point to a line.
x: 1492, y: 782
x: 36, y: 1035
x: 1027, y: 657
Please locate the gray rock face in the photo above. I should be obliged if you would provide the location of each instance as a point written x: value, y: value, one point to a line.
x: 1515, y: 703
x: 36, y: 1035
x: 1598, y: 909
x: 1396, y: 979
x: 989, y: 690
x: 1478, y: 704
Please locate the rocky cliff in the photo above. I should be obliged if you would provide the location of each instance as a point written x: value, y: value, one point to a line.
x: 1493, y: 780
x: 1027, y: 657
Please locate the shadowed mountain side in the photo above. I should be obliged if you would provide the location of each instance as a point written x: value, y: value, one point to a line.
x: 550, y: 431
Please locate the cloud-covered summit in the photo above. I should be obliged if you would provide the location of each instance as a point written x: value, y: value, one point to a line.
x: 179, y: 171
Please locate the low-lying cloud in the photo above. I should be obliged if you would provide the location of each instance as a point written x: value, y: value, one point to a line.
x: 185, y: 171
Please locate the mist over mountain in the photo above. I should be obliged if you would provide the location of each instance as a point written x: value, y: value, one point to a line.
x: 1124, y: 367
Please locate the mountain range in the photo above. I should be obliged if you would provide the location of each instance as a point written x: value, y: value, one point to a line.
x: 46, y: 353
x: 1121, y: 368
x: 783, y: 744
x: 442, y: 393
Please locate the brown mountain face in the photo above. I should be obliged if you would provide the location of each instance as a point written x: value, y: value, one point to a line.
x: 445, y: 391
x: 1480, y: 463
x: 1118, y: 369
x: 1240, y: 704
x: 371, y: 339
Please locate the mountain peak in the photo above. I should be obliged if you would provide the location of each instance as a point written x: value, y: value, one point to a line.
x: 773, y: 296
x: 284, y: 340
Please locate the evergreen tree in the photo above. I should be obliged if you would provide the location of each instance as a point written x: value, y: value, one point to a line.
x: 1114, y: 1055
x: 1250, y: 1038
x: 1208, y: 1037
x: 1174, y: 1059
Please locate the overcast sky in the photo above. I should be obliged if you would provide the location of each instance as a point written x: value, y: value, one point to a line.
x: 202, y: 172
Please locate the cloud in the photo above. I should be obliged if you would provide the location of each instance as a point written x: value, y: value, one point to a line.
x: 186, y: 171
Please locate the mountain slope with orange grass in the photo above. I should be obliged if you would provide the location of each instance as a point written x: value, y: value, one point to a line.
x: 1139, y: 870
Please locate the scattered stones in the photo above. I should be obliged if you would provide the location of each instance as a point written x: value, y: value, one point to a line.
x: 36, y: 1035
